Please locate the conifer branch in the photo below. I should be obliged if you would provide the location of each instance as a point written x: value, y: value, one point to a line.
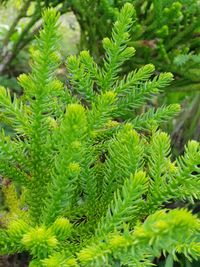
x: 160, y: 232
x: 79, y: 79
x: 124, y: 159
x: 126, y: 204
x: 152, y: 118
x: 189, y: 171
x: 116, y: 48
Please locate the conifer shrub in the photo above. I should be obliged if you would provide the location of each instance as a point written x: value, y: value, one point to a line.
x: 86, y: 180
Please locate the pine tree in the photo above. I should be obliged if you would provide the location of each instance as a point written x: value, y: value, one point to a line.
x: 82, y: 186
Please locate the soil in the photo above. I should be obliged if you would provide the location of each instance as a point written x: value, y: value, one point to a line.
x: 17, y: 260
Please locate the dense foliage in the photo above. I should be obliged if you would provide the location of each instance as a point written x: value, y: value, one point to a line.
x: 165, y: 33
x: 87, y: 181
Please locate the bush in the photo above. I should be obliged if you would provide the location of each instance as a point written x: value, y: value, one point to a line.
x: 81, y: 187
x: 165, y: 33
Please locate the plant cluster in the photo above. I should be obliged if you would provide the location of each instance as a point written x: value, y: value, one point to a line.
x: 88, y: 181
x: 165, y: 33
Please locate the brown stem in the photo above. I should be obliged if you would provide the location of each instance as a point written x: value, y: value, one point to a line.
x: 21, y: 14
x: 11, y: 55
x: 5, y: 54
x: 25, y: 37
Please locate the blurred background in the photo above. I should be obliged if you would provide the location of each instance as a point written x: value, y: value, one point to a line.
x: 166, y: 33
